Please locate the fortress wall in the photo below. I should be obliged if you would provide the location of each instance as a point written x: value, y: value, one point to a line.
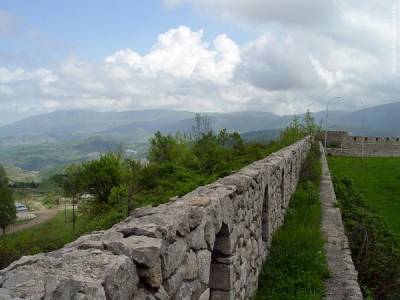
x: 208, y: 244
x: 372, y: 146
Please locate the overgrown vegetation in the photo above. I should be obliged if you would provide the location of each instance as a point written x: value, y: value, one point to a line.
x: 45, y: 237
x: 106, y: 189
x: 374, y: 241
x: 296, y: 266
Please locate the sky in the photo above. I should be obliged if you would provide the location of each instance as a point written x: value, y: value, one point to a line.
x: 282, y: 56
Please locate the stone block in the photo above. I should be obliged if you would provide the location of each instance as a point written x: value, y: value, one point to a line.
x: 173, y: 256
x: 221, y: 277
x: 143, y: 250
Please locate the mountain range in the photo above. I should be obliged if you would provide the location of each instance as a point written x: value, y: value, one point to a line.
x: 48, y: 141
x: 139, y: 125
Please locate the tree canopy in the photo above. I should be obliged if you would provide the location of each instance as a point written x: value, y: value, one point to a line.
x: 7, y: 205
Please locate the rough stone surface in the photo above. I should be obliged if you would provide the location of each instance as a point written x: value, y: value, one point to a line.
x: 208, y: 244
x: 343, y: 282
x: 80, y: 274
x: 141, y: 249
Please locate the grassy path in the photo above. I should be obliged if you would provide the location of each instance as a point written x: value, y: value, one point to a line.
x: 296, y: 267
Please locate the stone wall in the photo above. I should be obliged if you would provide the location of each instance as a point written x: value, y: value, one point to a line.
x: 343, y: 282
x: 208, y: 244
x: 340, y: 143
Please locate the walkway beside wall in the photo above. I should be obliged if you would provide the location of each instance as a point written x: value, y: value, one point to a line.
x: 343, y: 283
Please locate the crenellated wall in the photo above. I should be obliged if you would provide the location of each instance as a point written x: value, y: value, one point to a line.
x: 208, y: 244
x: 340, y: 143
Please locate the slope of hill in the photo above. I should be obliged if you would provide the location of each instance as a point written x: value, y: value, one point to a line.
x: 132, y: 126
x: 68, y: 124
x: 379, y: 120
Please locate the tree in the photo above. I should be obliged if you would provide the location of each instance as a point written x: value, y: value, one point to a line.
x: 8, y: 212
x: 201, y: 127
x: 309, y: 125
x: 161, y: 148
x: 133, y: 173
x: 72, y: 184
x: 100, y: 176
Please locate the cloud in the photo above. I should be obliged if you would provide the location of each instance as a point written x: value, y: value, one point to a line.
x: 181, y: 71
x: 306, y: 54
x: 183, y: 54
x: 299, y: 12
x: 276, y: 65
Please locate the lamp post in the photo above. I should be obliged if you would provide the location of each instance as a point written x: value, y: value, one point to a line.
x: 363, y: 130
x: 326, y: 118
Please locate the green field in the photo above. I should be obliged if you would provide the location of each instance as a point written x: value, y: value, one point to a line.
x: 378, y: 181
x: 368, y: 195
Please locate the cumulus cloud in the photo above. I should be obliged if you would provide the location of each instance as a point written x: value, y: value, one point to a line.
x: 183, y: 54
x: 181, y: 71
x: 307, y: 52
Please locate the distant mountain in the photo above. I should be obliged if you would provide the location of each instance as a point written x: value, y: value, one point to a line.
x: 75, y: 124
x: 135, y: 126
x: 379, y: 120
x: 139, y: 125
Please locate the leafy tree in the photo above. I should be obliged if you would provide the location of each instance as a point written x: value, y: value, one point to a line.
x: 161, y: 148
x: 7, y: 205
x: 310, y: 128
x: 99, y: 177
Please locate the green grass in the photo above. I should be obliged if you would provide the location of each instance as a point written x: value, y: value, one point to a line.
x: 368, y: 194
x: 378, y: 181
x: 44, y: 237
x: 296, y: 267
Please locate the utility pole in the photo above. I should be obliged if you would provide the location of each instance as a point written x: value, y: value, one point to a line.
x: 363, y: 129
x: 326, y: 118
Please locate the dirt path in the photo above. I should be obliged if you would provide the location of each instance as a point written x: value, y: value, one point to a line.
x: 41, y: 217
x: 343, y: 282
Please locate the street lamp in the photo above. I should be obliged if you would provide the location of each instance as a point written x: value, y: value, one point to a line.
x: 363, y: 129
x: 326, y: 118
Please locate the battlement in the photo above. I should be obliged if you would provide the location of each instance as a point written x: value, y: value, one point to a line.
x: 344, y: 144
